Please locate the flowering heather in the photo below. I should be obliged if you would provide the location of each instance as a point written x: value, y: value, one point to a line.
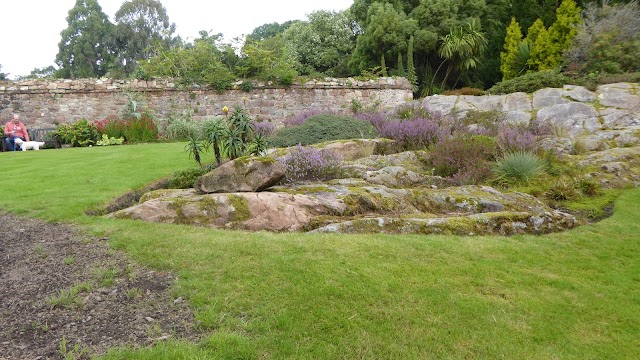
x: 264, y: 128
x: 512, y: 138
x: 411, y: 134
x: 308, y: 163
x: 301, y: 117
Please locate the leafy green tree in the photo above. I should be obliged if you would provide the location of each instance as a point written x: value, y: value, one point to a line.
x: 539, y: 42
x: 322, y: 44
x: 269, y: 30
x: 139, y: 24
x: 87, y: 45
x: 561, y: 33
x: 508, y: 57
x: 37, y: 73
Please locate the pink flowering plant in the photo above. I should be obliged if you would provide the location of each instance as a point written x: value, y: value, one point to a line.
x: 308, y: 163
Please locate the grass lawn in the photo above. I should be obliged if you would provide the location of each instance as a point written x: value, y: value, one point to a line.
x: 572, y: 295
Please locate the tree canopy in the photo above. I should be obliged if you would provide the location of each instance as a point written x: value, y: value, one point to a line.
x: 87, y: 44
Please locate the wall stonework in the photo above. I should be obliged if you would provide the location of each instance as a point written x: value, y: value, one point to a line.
x: 42, y: 103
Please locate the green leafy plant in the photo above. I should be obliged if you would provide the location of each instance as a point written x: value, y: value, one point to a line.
x: 518, y: 166
x: 322, y: 128
x: 80, y: 133
x: 194, y: 148
x: 530, y: 82
x: 185, y: 179
x: 106, y: 141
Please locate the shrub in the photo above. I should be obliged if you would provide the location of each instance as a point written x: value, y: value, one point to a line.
x: 264, y: 128
x: 186, y: 178
x: 518, y: 166
x: 80, y: 133
x: 308, y: 163
x: 530, y: 82
x: 140, y: 129
x: 300, y: 117
x: 463, y: 158
x: 322, y: 128
x: 465, y: 91
x: 486, y: 122
x: 182, y: 128
x: 411, y: 134
x: 513, y: 138
x: 411, y: 111
x: 111, y: 126
x: 562, y: 190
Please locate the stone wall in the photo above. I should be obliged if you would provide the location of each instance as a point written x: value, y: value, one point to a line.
x: 42, y: 103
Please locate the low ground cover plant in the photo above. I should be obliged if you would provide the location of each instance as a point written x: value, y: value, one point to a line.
x: 321, y: 128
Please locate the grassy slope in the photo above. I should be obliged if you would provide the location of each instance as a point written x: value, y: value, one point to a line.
x: 567, y: 295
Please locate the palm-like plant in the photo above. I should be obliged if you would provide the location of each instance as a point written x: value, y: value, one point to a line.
x: 259, y: 145
x: 233, y: 147
x: 461, y: 48
x: 214, y: 132
x: 194, y: 147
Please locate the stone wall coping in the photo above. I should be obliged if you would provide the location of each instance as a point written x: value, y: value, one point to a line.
x: 62, y: 86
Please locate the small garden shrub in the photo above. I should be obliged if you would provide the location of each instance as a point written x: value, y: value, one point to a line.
x: 530, y: 82
x: 140, y: 129
x: 413, y: 134
x: 589, y: 186
x: 513, y: 138
x: 80, y: 133
x: 186, y: 178
x: 111, y: 126
x: 412, y: 112
x: 465, y: 91
x: 518, y: 166
x: 300, y: 117
x: 322, y: 128
x: 308, y: 163
x: 465, y: 159
x: 486, y: 122
x: 265, y: 128
x: 563, y: 190
x: 182, y: 128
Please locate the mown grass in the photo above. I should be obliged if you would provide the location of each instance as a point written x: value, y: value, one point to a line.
x: 262, y: 295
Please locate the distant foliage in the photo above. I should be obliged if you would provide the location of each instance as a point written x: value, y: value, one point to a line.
x: 322, y: 128
x: 509, y: 55
x: 607, y: 41
x: 308, y: 163
x: 529, y: 83
x: 465, y: 91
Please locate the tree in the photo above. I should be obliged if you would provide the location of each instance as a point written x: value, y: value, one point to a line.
x: 322, y: 44
x: 538, y: 40
x: 3, y: 76
x: 37, y: 73
x: 561, y: 33
x: 461, y: 48
x: 87, y: 45
x: 508, y: 57
x: 269, y: 30
x: 139, y: 24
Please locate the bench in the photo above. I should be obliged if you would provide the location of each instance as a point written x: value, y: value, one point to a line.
x: 40, y: 134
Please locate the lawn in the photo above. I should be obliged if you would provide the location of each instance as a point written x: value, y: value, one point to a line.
x: 569, y: 295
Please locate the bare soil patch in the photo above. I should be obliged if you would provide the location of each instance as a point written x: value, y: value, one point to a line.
x: 60, y: 287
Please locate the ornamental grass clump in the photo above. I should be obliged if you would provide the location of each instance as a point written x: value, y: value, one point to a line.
x: 518, y: 166
x: 308, y: 163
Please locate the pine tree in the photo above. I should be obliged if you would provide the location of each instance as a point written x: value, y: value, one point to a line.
x: 411, y: 66
x: 538, y: 48
x: 508, y: 58
x: 562, y: 32
x: 400, y: 65
x: 383, y: 66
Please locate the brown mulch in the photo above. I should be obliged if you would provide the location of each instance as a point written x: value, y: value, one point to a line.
x: 122, y: 304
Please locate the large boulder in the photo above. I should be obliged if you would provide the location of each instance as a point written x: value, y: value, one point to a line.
x: 245, y: 174
x: 247, y: 211
x: 576, y: 118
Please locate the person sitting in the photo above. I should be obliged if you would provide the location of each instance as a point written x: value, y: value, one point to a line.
x: 15, y: 129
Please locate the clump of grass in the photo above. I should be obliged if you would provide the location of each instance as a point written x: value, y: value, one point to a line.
x: 105, y: 277
x: 69, y: 260
x: 69, y: 297
x: 518, y: 166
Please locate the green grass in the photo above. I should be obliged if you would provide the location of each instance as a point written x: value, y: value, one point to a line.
x: 571, y: 295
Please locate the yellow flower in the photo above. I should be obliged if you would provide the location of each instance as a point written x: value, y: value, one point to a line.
x: 225, y: 110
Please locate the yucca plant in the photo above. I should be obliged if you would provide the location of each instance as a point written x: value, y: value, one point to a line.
x: 518, y: 166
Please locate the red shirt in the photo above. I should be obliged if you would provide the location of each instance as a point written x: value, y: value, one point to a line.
x: 18, y: 130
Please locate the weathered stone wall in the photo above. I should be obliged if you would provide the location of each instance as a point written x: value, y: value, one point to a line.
x: 42, y: 103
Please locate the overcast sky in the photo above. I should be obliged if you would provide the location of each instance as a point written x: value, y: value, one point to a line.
x: 30, y: 29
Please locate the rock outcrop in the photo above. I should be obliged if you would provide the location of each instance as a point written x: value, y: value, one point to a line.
x: 242, y: 175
